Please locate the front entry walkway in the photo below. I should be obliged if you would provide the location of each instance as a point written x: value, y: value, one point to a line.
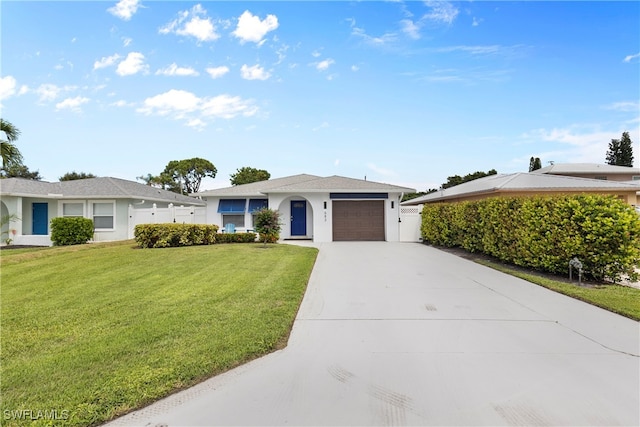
x: 404, y: 334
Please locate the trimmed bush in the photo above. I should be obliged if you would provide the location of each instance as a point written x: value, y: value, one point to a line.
x: 236, y: 238
x: 71, y: 230
x: 268, y: 225
x: 174, y: 235
x: 543, y: 233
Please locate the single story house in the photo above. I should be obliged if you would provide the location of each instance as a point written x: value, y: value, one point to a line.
x: 110, y: 202
x: 322, y: 209
x: 529, y: 184
x: 593, y: 171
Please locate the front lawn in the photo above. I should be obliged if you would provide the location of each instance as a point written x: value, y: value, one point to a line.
x: 91, y: 332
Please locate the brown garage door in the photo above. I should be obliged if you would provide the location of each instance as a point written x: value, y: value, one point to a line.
x: 358, y: 220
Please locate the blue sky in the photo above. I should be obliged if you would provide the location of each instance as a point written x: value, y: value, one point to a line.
x: 406, y: 93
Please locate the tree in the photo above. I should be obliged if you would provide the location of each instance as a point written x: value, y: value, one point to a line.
x: 72, y: 176
x: 535, y: 164
x: 267, y: 224
x: 9, y: 151
x: 620, y: 151
x: 409, y: 196
x: 454, y: 180
x: 20, y: 171
x: 247, y: 175
x: 182, y: 176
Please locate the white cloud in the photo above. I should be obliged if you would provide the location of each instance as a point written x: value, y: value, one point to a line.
x: 132, y: 64
x: 196, y: 124
x: 255, y: 72
x: 7, y: 87
x: 48, y: 92
x: 227, y: 107
x: 125, y: 9
x: 630, y: 58
x: 315, y: 54
x: 410, y: 28
x: 126, y: 41
x: 121, y: 103
x: 72, y: 104
x: 476, y: 21
x: 174, y: 101
x: 383, y: 40
x: 324, y: 65
x: 322, y: 125
x: 355, y: 68
x: 180, y: 104
x: 583, y: 144
x: 441, y: 11
x: 174, y: 70
x: 106, y: 61
x: 216, y: 72
x: 381, y: 171
x: 251, y: 29
x: 23, y: 89
x: 192, y: 23
x: 626, y: 106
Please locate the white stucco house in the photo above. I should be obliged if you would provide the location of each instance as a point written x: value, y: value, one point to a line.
x: 112, y: 203
x: 322, y: 209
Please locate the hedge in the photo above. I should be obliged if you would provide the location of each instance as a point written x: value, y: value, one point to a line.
x: 173, y: 235
x: 71, y: 230
x: 542, y: 233
x: 236, y: 238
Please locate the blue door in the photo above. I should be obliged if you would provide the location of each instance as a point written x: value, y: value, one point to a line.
x: 298, y: 218
x: 40, y: 218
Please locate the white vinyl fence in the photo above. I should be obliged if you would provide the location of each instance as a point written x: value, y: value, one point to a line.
x: 175, y: 214
x: 410, y: 220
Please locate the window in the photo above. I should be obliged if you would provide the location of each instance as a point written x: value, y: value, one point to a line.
x: 237, y: 220
x: 103, y: 216
x: 635, y: 178
x: 257, y: 204
x: 72, y: 209
x: 232, y: 206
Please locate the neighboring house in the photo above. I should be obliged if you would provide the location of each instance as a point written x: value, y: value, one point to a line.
x: 529, y: 184
x: 109, y: 202
x: 593, y: 171
x: 323, y: 209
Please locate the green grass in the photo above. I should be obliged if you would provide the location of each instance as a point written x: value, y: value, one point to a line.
x: 95, y: 331
x: 623, y: 300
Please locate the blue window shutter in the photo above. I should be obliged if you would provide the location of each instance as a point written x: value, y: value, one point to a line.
x: 257, y: 204
x: 232, y: 206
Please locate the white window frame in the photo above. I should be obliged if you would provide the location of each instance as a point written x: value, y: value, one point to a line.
x: 91, y: 215
x: 244, y: 219
x: 73, y: 202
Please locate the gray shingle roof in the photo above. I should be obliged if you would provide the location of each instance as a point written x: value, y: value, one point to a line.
x: 523, y: 181
x: 304, y: 183
x: 587, y: 168
x: 92, y: 188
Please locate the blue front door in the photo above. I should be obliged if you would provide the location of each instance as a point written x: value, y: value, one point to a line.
x: 40, y: 218
x: 298, y: 218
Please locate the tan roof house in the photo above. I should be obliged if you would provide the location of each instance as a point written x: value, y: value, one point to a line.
x: 529, y: 184
x: 593, y: 171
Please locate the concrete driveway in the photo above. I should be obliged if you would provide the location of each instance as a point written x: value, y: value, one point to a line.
x: 404, y: 334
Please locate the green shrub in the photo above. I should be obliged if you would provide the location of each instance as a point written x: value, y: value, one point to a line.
x: 268, y: 225
x: 543, y: 233
x: 71, y: 230
x: 236, y: 238
x: 173, y: 235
